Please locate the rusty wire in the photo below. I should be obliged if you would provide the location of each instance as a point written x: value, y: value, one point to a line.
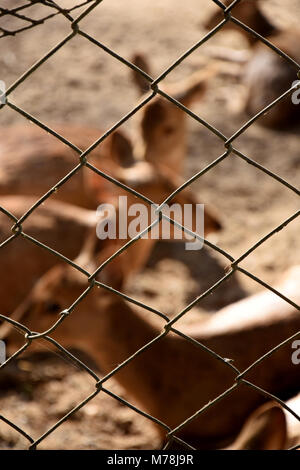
x: 229, y: 150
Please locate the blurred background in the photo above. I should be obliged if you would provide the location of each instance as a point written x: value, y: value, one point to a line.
x: 83, y: 84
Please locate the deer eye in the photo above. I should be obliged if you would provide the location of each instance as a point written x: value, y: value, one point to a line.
x: 53, y: 307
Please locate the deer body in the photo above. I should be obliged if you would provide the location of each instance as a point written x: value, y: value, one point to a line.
x: 161, y: 127
x: 32, y: 162
x: 63, y: 227
x: 173, y: 378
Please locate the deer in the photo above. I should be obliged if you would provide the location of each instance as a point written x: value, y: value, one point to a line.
x: 249, y: 13
x: 292, y: 424
x: 32, y: 161
x: 63, y: 226
x: 160, y: 128
x: 174, y: 378
x: 265, y: 74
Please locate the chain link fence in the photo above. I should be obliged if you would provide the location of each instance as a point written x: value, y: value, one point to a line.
x: 22, y: 13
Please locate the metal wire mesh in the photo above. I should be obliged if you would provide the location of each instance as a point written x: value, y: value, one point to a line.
x: 83, y: 161
x: 23, y: 14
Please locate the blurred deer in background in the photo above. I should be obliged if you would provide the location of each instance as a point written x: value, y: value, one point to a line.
x: 63, y: 226
x: 173, y: 378
x: 156, y: 184
x: 266, y: 74
x: 249, y: 13
x: 32, y: 161
x: 293, y: 424
x: 270, y: 427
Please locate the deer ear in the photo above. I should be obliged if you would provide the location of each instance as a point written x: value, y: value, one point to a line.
x: 140, y: 82
x: 266, y: 429
x: 248, y: 13
x: 121, y: 151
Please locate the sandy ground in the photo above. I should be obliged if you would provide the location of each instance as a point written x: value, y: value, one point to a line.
x: 83, y: 84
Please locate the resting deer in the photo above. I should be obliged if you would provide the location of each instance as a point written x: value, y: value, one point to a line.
x: 156, y: 185
x: 173, y: 378
x: 266, y: 74
x: 63, y: 226
x: 33, y: 161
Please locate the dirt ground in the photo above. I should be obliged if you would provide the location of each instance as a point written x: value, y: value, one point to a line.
x: 83, y: 84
